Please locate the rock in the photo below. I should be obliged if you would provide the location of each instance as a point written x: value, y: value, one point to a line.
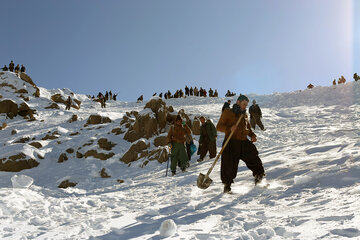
x: 66, y: 184
x: 53, y: 106
x: 69, y: 150
x: 158, y: 106
x: 120, y: 181
x: 62, y: 158
x: 21, y: 91
x: 104, y: 174
x: 13, y: 132
x: 132, y: 154
x: 23, y: 140
x: 78, y: 102
x: 117, y: 131
x: 73, y: 118
x: 27, y: 79
x: 49, y: 137
x: 3, y: 126
x: 79, y: 155
x: 73, y: 134
x: 25, y: 110
x: 36, y: 145
x: 145, y: 127
x: 170, y: 118
x: 58, y: 98
x: 9, y: 107
x: 160, y: 141
x: 105, y: 144
x: 101, y: 156
x: 160, y: 154
x: 16, y: 163
x: 97, y: 119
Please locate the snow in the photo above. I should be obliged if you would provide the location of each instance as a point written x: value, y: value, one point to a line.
x: 21, y: 181
x: 167, y: 228
x: 310, y: 151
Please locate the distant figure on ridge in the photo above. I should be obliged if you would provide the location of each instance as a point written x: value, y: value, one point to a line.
x: 356, y: 77
x: 23, y: 69
x: 334, y: 82
x: 310, y: 86
x: 68, y: 103
x: 5, y: 68
x: 17, y: 70
x: 11, y: 66
x: 140, y: 99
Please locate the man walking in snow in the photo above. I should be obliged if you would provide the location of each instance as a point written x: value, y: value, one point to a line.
x: 239, y: 146
x: 255, y: 116
x: 176, y: 137
x: 207, y: 141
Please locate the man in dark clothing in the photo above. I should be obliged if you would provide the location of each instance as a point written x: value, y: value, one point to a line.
x: 191, y: 91
x: 239, y: 146
x: 68, y: 103
x: 11, y: 66
x: 5, y: 68
x: 226, y: 105
x: 23, y: 69
x: 187, y: 91
x: 255, y: 116
x: 207, y: 141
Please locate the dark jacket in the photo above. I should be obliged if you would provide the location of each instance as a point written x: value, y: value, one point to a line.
x: 255, y: 110
x: 227, y: 119
x: 207, y: 130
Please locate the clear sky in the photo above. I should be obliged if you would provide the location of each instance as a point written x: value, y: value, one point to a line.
x: 139, y: 47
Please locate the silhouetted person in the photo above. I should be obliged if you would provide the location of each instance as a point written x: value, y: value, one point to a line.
x: 5, y: 68
x: 23, y: 69
x: 68, y: 103
x: 11, y: 66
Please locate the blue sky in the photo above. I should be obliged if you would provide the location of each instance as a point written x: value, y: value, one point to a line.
x: 146, y: 46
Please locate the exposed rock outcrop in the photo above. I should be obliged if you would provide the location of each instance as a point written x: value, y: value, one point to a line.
x: 105, y: 144
x: 66, y: 184
x: 97, y: 119
x: 9, y: 107
x: 17, y: 162
x: 132, y: 154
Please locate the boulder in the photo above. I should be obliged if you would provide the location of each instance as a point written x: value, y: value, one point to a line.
x: 28, y: 79
x: 145, y: 126
x: 53, y: 106
x: 21, y: 91
x: 101, y: 156
x: 73, y: 118
x: 17, y: 162
x: 69, y: 150
x: 104, y: 174
x: 3, y: 126
x: 23, y: 140
x: 25, y: 110
x: 105, y: 144
x: 158, y: 106
x: 160, y: 141
x: 62, y: 158
x: 97, y: 119
x: 79, y: 155
x: 117, y: 131
x: 13, y: 132
x: 58, y: 98
x: 132, y: 154
x: 9, y: 107
x: 66, y: 184
x: 160, y: 154
x: 36, y: 145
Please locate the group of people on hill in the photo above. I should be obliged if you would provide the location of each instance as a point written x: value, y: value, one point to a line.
x: 232, y: 121
x: 341, y: 80
x: 12, y: 68
x: 104, y: 98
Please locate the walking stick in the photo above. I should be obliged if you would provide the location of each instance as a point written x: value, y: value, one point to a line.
x: 167, y: 166
x: 204, y: 181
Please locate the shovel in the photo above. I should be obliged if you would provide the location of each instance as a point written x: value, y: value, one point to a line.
x: 204, y: 181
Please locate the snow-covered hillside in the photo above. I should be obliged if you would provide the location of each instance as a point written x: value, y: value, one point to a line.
x: 310, y: 151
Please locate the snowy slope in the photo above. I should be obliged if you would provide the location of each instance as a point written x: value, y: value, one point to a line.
x: 310, y: 151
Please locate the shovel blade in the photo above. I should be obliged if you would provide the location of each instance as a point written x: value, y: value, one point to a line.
x: 203, y: 181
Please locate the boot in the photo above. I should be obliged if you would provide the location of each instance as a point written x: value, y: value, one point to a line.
x: 258, y: 178
x: 173, y: 173
x: 227, y: 188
